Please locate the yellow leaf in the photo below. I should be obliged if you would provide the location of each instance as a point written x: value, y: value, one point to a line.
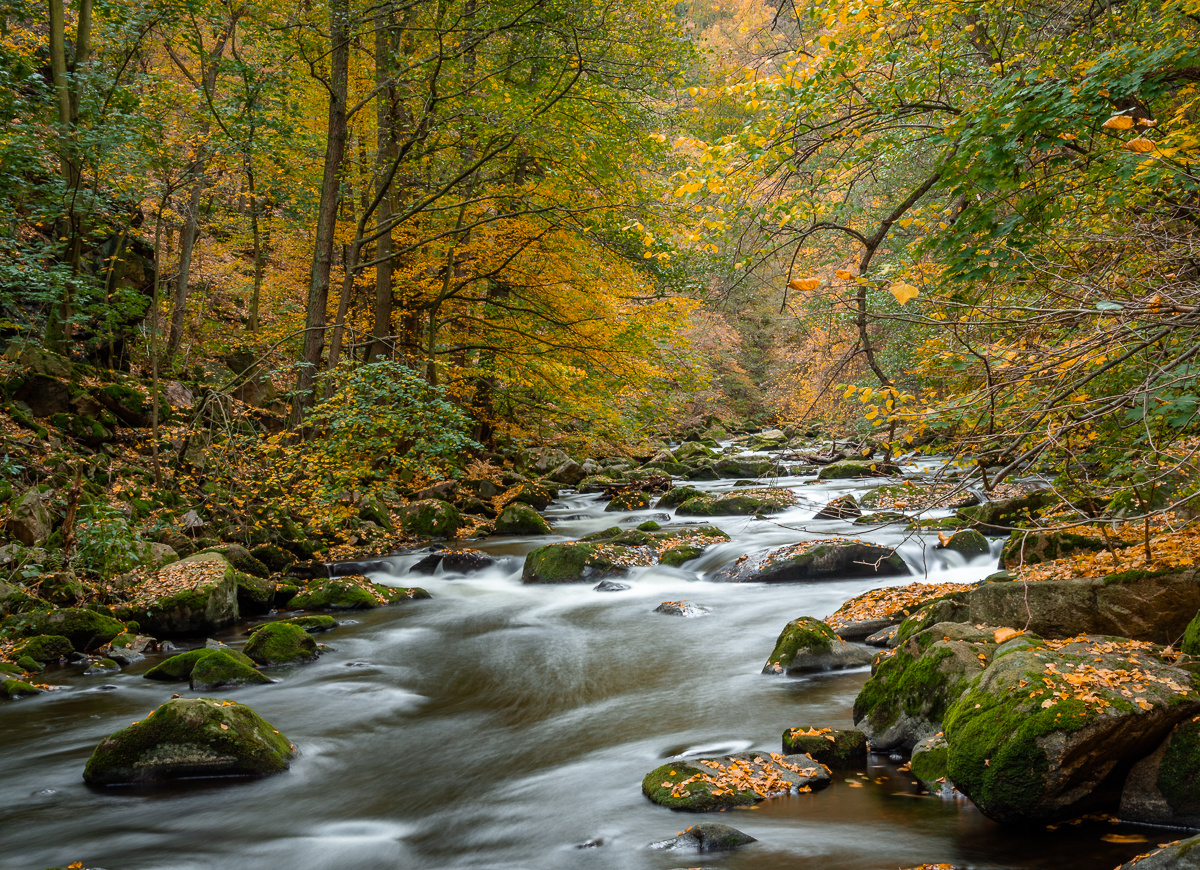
x: 844, y: 274
x: 1139, y: 145
x: 804, y: 283
x: 904, y: 292
x: 1003, y: 634
x: 1118, y: 122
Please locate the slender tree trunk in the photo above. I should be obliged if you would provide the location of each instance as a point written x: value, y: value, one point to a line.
x: 327, y: 211
x: 187, y: 243
x: 381, y: 322
x: 256, y: 233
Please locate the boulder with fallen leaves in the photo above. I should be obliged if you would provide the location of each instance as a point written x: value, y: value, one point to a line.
x: 352, y: 592
x: 912, y: 686
x: 1049, y: 721
x: 836, y: 747
x: 743, y: 779
x: 195, y: 596
x: 865, y: 614
x: 807, y: 645
x: 848, y: 469
x: 1164, y: 787
x: 1034, y: 547
x: 747, y: 502
x: 188, y: 738
x: 613, y: 551
x: 828, y: 559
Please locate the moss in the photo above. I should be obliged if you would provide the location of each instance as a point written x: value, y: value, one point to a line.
x: 697, y: 796
x: 629, y: 501
x: 804, y: 633
x: 575, y: 561
x: 521, y: 519
x: 189, y: 737
x: 1031, y: 548
x: 11, y: 668
x: 431, y: 518
x: 904, y: 683
x: 179, y: 667
x: 222, y: 669
x: 969, y: 543
x: 351, y: 593
x: 649, y: 526
x: 849, y: 469
x: 1179, y: 770
x: 275, y: 558
x: 846, y: 749
x: 930, y: 759
x: 677, y: 496
x: 45, y: 648
x: 602, y: 535
x: 677, y: 556
x: 952, y: 607
x: 30, y: 666
x: 763, y: 501
x: 85, y: 629
x: 1191, y: 637
x: 280, y: 643
x: 13, y: 689
x: 1136, y: 575
x: 313, y: 624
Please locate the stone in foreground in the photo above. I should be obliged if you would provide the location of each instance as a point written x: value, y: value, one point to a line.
x: 1180, y: 855
x: 190, y: 737
x: 704, y: 784
x: 705, y: 837
x: 807, y: 646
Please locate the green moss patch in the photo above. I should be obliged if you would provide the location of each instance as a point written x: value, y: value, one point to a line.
x: 831, y: 746
x: 280, y: 643
x: 352, y: 592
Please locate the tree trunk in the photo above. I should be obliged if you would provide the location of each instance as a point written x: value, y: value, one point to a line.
x: 327, y: 211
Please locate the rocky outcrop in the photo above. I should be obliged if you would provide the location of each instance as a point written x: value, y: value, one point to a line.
x: 808, y: 645
x: 744, y: 779
x: 29, y: 520
x: 1164, y: 787
x: 832, y: 746
x: 201, y: 597
x: 190, y: 737
x: 816, y: 560
x: 968, y: 543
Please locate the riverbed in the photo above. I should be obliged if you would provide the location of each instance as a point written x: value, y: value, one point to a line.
x: 501, y: 725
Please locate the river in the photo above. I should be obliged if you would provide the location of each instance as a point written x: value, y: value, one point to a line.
x: 509, y: 726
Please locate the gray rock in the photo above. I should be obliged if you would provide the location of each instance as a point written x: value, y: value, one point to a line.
x: 569, y: 473
x: 1180, y: 855
x: 808, y: 645
x: 885, y: 637
x: 610, y: 586
x: 30, y: 521
x: 844, y: 508
x: 681, y: 608
x: 705, y: 837
x: 1163, y: 788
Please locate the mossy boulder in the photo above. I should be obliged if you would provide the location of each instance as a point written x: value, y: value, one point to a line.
x: 578, y: 562
x: 1164, y: 787
x: 751, y: 502
x: 535, y: 493
x: 280, y: 643
x: 832, y: 746
x: 849, y: 468
x: 952, y: 607
x: 314, y: 624
x: 11, y: 689
x: 817, y: 560
x: 878, y: 609
x: 705, y: 837
x: 929, y: 760
x: 740, y: 780
x: 968, y: 543
x: 807, y: 645
x: 190, y: 737
x: 85, y: 629
x: 912, y: 687
x: 1179, y: 855
x: 519, y: 518
x: 179, y: 666
x: 275, y: 558
x: 733, y: 467
x: 352, y: 593
x: 679, y: 547
x: 243, y: 560
x: 1034, y: 738
x: 205, y: 602
x: 1031, y: 548
x: 222, y: 669
x: 844, y: 508
x: 29, y: 666
x: 255, y: 595
x: 430, y: 518
x: 630, y: 500
x: 912, y: 495
x: 678, y: 495
x: 45, y: 648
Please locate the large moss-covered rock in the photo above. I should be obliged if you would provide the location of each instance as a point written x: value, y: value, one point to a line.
x: 280, y: 643
x: 630, y: 500
x: 255, y: 595
x: 850, y: 468
x: 1179, y: 855
x: 12, y: 689
x: 1031, y: 548
x: 749, y: 502
x: 878, y: 609
x: 675, y: 548
x: 929, y: 762
x: 45, y: 648
x: 203, y: 597
x: 85, y: 629
x: 190, y: 737
x: 29, y: 519
x: 536, y: 493
x: 807, y: 645
x: 912, y: 687
x: 430, y: 518
x: 832, y: 746
x: 743, y: 779
x: 998, y: 517
x: 1047, y: 723
x: 678, y: 495
x: 1164, y: 787
x: 968, y: 543
x: 314, y: 624
x: 521, y: 519
x: 352, y: 592
x: 744, y: 467
x: 911, y: 495
x: 578, y: 562
x: 817, y: 560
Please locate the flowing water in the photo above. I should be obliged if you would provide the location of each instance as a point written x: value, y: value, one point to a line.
x: 509, y: 726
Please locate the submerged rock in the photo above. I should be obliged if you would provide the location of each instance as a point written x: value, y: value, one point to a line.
x: 834, y: 558
x: 743, y: 779
x: 705, y: 837
x: 190, y: 737
x: 808, y: 645
x: 610, y: 586
x: 832, y: 746
x: 680, y: 608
